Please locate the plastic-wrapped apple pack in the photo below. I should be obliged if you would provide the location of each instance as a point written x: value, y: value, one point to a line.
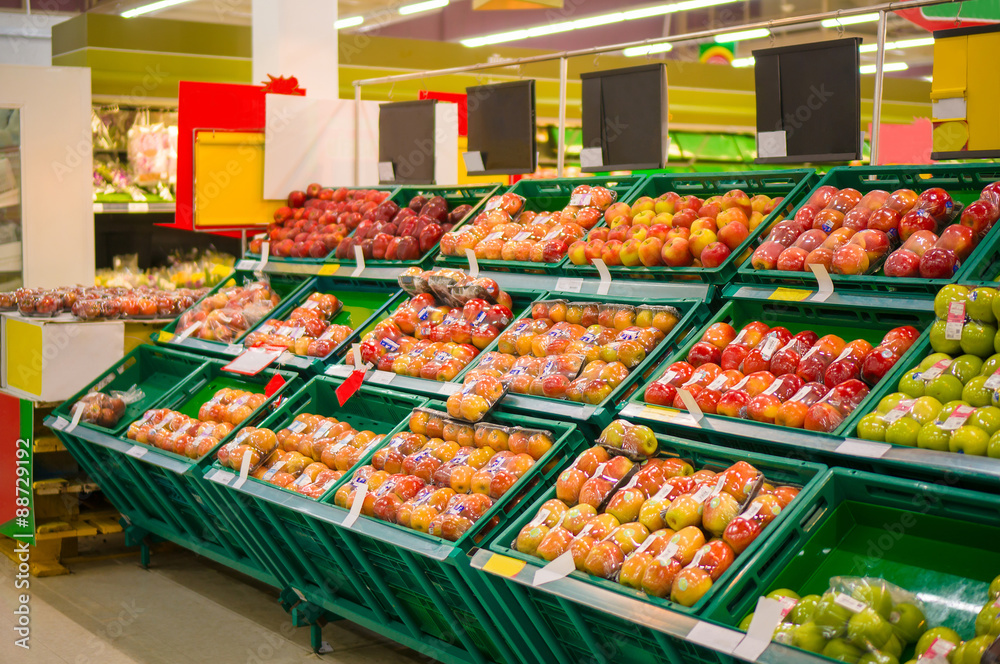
x: 107, y: 410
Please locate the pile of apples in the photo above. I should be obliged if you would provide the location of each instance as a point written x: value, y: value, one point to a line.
x: 442, y: 476
x: 674, y: 231
x: 229, y: 313
x: 100, y: 302
x: 425, y: 337
x: 667, y: 530
x: 850, y: 233
x: 505, y: 231
x: 770, y: 375
x: 313, y: 452
x: 307, y: 331
x: 579, y: 351
x: 949, y: 401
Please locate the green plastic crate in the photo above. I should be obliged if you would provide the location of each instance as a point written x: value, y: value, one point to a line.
x: 933, y: 540
x: 286, y: 286
x: 309, y: 260
x: 793, y: 185
x: 417, y: 587
x: 522, y: 301
x: 466, y: 194
x: 155, y: 371
x: 544, y: 196
x: 372, y: 408
x: 578, y: 629
x: 963, y: 181
x: 693, y: 314
x: 163, y: 493
x: 847, y: 321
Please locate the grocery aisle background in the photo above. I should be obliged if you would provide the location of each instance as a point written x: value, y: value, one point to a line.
x: 182, y: 609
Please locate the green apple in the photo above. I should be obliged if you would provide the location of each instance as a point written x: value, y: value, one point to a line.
x: 976, y: 392
x: 947, y: 295
x: 895, y: 646
x: 996, y: 307
x: 974, y: 649
x: 932, y: 359
x: 933, y: 437
x: 995, y: 588
x: 843, y: 651
x: 889, y: 402
x: 940, y: 343
x: 783, y: 633
x: 809, y: 636
x: 944, y: 388
x: 986, y: 619
x: 993, y: 447
x: 979, y: 305
x: 831, y: 616
x: 745, y: 623
x: 878, y: 657
x: 868, y: 629
x: 872, y: 427
x: 804, y: 610
x: 965, y: 367
x: 925, y: 409
x: 949, y: 407
x: 783, y: 592
x: 907, y: 621
x: 903, y: 431
x: 978, y: 338
x: 911, y: 384
x: 996, y: 343
x: 925, y: 641
x: 986, y: 418
x: 957, y: 656
x: 990, y: 365
x: 876, y: 595
x: 969, y: 440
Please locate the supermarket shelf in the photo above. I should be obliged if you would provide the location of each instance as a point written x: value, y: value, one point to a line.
x: 134, y: 208
x: 651, y: 616
x: 406, y: 383
x: 911, y: 301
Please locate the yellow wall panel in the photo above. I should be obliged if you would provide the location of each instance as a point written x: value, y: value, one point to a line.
x: 983, y: 110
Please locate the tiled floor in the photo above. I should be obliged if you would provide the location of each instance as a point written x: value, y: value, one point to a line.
x: 181, y: 610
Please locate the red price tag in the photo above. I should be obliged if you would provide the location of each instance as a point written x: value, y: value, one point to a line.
x: 350, y: 385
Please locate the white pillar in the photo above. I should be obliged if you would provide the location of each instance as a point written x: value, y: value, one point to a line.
x: 297, y: 38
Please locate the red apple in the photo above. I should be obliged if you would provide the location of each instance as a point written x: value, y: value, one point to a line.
x: 958, y: 238
x: 902, y: 263
x: 703, y: 353
x: 733, y: 234
x: 979, y: 216
x: 810, y: 239
x: 792, y: 259
x: 885, y: 219
x: 715, y: 254
x: 766, y: 255
x: 916, y: 220
x: 676, y: 253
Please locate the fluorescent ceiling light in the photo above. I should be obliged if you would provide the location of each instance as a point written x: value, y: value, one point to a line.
x: 889, y: 66
x: 647, y: 50
x: 422, y: 6
x: 588, y: 22
x: 742, y: 62
x: 849, y: 20
x: 729, y: 37
x: 906, y: 43
x: 348, y: 22
x: 152, y: 7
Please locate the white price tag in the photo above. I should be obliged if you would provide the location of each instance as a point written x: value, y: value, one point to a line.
x: 824, y: 282
x: 382, y: 377
x: 557, y: 569
x: 359, y: 501
x: 569, y: 284
x: 244, y: 470
x: 222, y: 476
x: 340, y: 370
x: 189, y: 330
x: 720, y: 639
x: 134, y: 208
x: 937, y: 652
x: 771, y: 144
x: 137, y: 451
x: 849, y: 603
x: 449, y: 388
x: 766, y: 618
x: 863, y: 448
x: 386, y: 172
x: 359, y: 258
x: 77, y: 414
x: 936, y: 370
x: 474, y: 161
x: 602, y: 269
x: 956, y: 321
x: 692, y: 406
x: 958, y: 417
x: 98, y: 208
x: 993, y: 382
x: 900, y: 409
x: 591, y: 157
x: 470, y: 255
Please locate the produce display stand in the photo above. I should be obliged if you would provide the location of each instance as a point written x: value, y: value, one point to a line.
x: 286, y: 286
x: 584, y: 617
x: 845, y: 525
x: 693, y: 315
x: 417, y: 588
x: 544, y: 196
x: 158, y: 492
x: 844, y: 319
x: 963, y: 181
x: 793, y: 185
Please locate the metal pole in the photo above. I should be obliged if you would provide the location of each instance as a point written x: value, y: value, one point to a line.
x: 879, y: 75
x: 357, y: 133
x: 691, y: 36
x: 561, y: 138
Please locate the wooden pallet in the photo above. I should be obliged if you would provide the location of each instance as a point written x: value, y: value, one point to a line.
x: 58, y: 539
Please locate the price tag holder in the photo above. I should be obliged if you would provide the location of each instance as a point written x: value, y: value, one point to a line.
x: 824, y: 281
x: 253, y: 361
x: 559, y: 568
x: 569, y: 284
x: 602, y: 269
x: 470, y: 255
x: 138, y: 208
x: 359, y: 258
